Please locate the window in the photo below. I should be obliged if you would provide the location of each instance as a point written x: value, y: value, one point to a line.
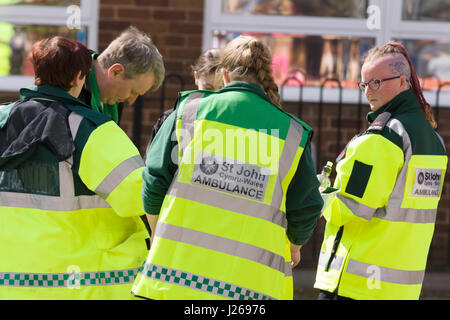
x: 313, y: 41
x: 342, y: 8
x: 431, y: 59
x: 430, y: 10
x: 22, y: 23
x: 311, y: 59
x: 41, y: 2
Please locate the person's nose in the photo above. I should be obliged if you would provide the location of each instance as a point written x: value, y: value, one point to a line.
x: 367, y: 90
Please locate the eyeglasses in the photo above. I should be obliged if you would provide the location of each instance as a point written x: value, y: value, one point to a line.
x: 374, y: 84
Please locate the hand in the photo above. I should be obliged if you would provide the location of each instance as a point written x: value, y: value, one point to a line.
x: 295, y: 254
x: 152, y: 221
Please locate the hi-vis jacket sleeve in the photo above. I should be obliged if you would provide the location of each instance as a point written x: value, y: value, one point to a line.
x: 160, y: 166
x: 365, y: 179
x: 111, y: 166
x: 303, y: 200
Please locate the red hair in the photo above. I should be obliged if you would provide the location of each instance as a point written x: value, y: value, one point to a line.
x: 393, y: 47
x: 57, y: 60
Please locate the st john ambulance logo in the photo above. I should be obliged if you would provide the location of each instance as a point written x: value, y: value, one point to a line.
x: 230, y: 176
x: 428, y: 182
x: 420, y: 178
x: 209, y: 165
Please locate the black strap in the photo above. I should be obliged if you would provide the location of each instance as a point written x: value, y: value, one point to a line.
x: 337, y: 240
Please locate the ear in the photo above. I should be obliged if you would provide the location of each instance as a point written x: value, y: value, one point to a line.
x: 404, y: 83
x: 196, y: 78
x: 116, y: 70
x: 226, y: 76
x: 75, y: 81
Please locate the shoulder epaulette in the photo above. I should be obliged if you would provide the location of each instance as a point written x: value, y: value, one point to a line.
x: 380, y: 122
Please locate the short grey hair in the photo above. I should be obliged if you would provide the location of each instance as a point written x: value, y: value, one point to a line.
x: 138, y: 54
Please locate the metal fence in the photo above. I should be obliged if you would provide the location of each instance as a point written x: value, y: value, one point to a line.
x: 139, y: 104
x: 316, y: 239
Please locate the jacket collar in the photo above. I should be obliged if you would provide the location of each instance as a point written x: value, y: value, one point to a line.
x: 50, y: 92
x: 248, y: 86
x: 404, y: 101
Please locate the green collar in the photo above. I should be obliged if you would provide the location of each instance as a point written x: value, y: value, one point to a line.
x: 111, y: 110
x: 248, y: 86
x: 92, y: 78
x: 50, y: 92
x: 404, y: 101
x: 57, y: 94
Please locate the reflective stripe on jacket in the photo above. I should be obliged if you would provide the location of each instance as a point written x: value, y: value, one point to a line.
x: 83, y: 241
x: 223, y: 219
x: 381, y: 222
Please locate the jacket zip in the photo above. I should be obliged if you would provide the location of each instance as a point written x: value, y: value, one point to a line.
x: 337, y: 240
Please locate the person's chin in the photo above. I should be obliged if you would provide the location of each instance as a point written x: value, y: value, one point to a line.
x: 374, y: 106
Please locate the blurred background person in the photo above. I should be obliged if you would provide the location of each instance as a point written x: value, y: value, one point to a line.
x: 439, y: 66
x: 6, y: 34
x: 206, y: 77
x: 205, y: 72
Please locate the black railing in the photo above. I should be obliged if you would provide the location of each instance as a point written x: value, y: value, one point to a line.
x: 359, y: 114
x: 339, y: 128
x: 139, y: 104
x: 299, y: 83
x: 164, y: 85
x: 436, y: 115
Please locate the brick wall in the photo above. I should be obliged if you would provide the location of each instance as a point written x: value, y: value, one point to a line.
x: 176, y: 28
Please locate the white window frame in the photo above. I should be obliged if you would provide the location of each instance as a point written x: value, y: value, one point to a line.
x: 47, y: 15
x: 392, y: 27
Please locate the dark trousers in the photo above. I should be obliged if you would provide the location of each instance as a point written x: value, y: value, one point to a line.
x: 325, y: 295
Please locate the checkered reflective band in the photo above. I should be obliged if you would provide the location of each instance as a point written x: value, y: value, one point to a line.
x: 101, y: 278
x: 201, y: 283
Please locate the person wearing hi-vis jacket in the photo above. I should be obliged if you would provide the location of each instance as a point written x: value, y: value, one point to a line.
x: 382, y: 211
x: 70, y: 188
x: 235, y: 203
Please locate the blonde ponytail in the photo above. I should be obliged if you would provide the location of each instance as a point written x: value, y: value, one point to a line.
x: 248, y: 59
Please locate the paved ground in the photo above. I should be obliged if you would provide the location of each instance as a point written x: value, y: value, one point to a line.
x: 436, y: 285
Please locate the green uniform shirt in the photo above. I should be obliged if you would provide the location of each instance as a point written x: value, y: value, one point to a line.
x: 95, y: 102
x: 303, y: 201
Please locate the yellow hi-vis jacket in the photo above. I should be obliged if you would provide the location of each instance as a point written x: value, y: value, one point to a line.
x: 221, y: 232
x: 70, y: 225
x: 380, y: 222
